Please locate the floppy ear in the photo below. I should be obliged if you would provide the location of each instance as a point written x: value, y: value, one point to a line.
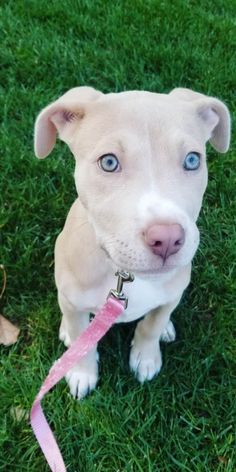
x: 61, y: 116
x: 215, y: 116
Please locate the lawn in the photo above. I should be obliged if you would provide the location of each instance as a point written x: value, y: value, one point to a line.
x: 184, y: 420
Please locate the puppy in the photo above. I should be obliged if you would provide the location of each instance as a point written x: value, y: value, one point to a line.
x: 140, y: 175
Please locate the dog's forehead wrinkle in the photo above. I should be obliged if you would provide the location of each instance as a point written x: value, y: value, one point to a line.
x: 114, y: 108
x: 146, y: 132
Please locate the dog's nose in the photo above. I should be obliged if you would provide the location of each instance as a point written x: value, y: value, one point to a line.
x: 165, y: 240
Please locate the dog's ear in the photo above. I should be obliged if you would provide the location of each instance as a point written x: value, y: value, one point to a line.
x: 61, y: 117
x: 214, y: 114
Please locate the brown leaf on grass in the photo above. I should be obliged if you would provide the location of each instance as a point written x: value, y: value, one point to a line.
x: 8, y: 332
x: 4, y: 283
x: 223, y: 459
x: 18, y: 413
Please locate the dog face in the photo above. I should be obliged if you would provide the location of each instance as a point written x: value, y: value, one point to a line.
x: 140, y: 168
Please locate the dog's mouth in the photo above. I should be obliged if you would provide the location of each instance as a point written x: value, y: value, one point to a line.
x: 162, y: 270
x: 152, y: 272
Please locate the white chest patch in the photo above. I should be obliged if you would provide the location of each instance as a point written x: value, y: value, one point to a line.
x: 143, y: 295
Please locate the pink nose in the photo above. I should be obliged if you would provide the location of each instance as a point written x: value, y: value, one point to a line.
x: 165, y: 240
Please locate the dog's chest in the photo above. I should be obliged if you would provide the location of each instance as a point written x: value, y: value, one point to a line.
x: 143, y: 296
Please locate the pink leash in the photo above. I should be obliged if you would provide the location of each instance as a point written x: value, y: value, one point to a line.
x: 104, y: 319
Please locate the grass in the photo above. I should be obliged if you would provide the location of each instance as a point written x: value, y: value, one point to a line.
x: 185, y: 419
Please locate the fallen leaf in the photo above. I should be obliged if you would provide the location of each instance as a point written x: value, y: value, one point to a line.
x: 4, y: 274
x: 19, y: 413
x: 223, y: 459
x: 8, y: 332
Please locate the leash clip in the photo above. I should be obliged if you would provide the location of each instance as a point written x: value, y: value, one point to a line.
x: 123, y: 277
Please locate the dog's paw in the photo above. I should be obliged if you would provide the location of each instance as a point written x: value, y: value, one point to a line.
x: 64, y: 337
x: 145, y: 360
x: 82, y: 381
x: 169, y: 333
x: 63, y: 334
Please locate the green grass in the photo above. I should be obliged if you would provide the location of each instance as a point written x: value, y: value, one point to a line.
x: 185, y: 419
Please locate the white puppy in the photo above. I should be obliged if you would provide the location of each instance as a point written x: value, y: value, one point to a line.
x: 140, y: 174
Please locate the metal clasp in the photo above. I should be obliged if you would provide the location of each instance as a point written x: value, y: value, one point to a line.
x: 123, y: 277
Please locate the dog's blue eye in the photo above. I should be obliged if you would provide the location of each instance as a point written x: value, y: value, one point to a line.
x: 109, y: 163
x: 192, y: 161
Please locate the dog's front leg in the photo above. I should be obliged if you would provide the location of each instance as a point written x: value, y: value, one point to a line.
x: 82, y: 378
x: 145, y: 355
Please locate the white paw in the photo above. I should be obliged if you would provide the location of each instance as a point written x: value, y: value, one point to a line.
x: 82, y: 381
x: 145, y: 360
x: 64, y: 336
x: 169, y: 333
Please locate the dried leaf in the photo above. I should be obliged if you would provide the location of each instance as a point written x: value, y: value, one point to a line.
x: 8, y: 332
x: 223, y: 459
x: 2, y: 268
x: 19, y: 413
